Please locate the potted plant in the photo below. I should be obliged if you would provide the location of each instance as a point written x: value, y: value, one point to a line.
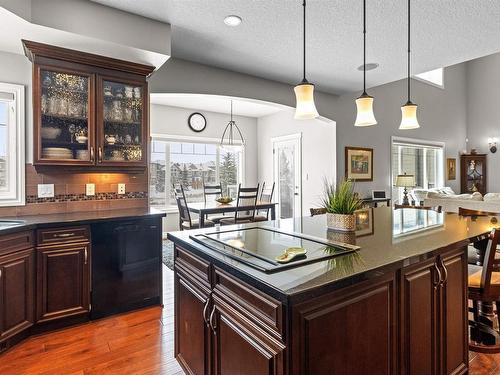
x: 340, y: 202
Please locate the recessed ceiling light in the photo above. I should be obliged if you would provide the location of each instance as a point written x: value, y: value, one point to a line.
x: 232, y: 20
x: 369, y: 66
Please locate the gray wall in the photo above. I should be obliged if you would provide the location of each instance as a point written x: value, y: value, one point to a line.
x: 483, y: 80
x: 441, y: 114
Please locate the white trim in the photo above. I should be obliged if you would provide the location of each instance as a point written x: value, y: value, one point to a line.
x: 188, y: 139
x: 423, y: 80
x: 18, y: 165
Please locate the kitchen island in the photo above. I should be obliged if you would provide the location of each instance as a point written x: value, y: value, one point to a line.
x: 397, y: 305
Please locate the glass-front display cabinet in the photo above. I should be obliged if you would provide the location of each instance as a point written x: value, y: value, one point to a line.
x: 88, y: 110
x: 473, y: 173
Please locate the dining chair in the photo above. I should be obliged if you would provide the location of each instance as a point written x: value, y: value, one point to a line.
x: 185, y: 220
x: 317, y: 211
x: 245, y: 206
x: 216, y: 192
x: 266, y: 196
x: 484, y: 288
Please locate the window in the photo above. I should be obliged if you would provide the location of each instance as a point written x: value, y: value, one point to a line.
x: 12, y: 168
x: 434, y: 77
x: 422, y: 159
x: 191, y: 165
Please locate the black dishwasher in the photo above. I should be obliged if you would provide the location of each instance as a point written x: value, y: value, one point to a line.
x: 126, y: 266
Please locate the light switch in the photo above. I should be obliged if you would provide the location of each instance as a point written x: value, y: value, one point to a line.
x: 45, y: 190
x: 90, y: 189
x: 121, y: 188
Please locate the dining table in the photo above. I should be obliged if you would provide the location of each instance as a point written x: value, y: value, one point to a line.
x: 209, y: 208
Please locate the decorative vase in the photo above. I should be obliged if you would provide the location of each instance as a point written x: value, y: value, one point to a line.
x: 341, y: 236
x: 345, y: 223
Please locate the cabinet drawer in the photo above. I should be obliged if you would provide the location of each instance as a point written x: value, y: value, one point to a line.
x: 193, y: 264
x: 63, y: 235
x: 15, y: 241
x: 249, y: 300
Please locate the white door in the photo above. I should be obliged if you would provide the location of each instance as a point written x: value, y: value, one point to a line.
x: 287, y: 161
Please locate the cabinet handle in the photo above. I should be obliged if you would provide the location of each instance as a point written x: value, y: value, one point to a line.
x: 440, y: 276
x: 92, y: 157
x: 99, y: 154
x: 205, y: 310
x: 0, y: 273
x: 64, y: 235
x: 445, y: 272
x: 85, y: 255
x: 213, y: 324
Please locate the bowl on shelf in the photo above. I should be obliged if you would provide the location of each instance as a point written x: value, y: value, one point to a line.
x: 224, y: 200
x: 81, y: 138
x: 49, y: 132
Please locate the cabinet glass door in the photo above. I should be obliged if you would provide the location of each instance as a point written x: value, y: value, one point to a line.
x: 64, y: 123
x: 475, y: 174
x: 122, y: 134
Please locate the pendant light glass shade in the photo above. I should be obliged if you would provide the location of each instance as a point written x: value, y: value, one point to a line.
x: 365, y: 116
x: 364, y: 104
x: 305, y: 108
x: 409, y: 117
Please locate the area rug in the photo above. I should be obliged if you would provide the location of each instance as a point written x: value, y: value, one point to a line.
x: 168, y: 254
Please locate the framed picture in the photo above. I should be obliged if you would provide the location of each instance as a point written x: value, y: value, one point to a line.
x: 359, y: 164
x: 451, y: 167
x: 364, y: 222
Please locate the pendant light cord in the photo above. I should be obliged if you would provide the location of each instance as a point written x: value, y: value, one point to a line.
x: 304, y: 41
x: 409, y: 51
x: 364, y: 47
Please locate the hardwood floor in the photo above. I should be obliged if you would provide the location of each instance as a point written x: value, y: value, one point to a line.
x: 141, y: 342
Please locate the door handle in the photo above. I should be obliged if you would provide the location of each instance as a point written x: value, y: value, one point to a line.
x: 205, y: 310
x: 99, y: 154
x: 438, y: 283
x: 212, y: 322
x: 445, y: 278
x: 85, y: 255
x: 92, y: 156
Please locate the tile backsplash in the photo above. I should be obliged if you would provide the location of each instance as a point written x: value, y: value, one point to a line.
x: 69, y: 192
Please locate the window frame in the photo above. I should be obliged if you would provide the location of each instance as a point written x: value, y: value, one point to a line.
x: 202, y: 140
x: 418, y: 142
x: 15, y: 195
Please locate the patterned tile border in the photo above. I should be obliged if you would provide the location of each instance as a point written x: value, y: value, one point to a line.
x: 83, y: 197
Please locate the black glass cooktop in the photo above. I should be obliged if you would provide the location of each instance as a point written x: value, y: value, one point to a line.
x: 258, y: 247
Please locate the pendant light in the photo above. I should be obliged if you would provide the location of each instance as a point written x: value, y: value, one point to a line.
x: 230, y: 143
x: 364, y: 103
x: 304, y: 91
x: 409, y: 110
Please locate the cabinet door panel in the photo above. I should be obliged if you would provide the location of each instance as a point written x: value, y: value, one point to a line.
x: 242, y: 348
x: 420, y: 319
x: 16, y: 289
x: 455, y: 313
x: 360, y: 326
x: 63, y: 281
x: 192, y: 336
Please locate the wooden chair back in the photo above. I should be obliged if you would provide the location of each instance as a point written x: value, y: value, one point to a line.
x: 266, y: 196
x: 212, y: 190
x: 489, y: 260
x: 184, y: 214
x: 246, y: 203
x: 317, y: 211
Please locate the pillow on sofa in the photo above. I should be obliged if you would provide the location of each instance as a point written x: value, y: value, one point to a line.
x: 447, y: 190
x: 492, y: 197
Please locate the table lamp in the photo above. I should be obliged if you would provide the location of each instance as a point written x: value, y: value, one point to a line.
x: 405, y: 181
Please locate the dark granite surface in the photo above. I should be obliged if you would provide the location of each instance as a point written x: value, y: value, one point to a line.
x: 74, y: 218
x: 400, y: 238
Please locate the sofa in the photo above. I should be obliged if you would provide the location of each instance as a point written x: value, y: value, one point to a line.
x: 451, y: 202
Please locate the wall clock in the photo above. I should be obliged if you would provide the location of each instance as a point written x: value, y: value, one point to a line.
x: 197, y: 122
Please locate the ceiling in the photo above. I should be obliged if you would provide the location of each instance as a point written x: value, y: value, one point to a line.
x: 268, y: 42
x: 216, y: 103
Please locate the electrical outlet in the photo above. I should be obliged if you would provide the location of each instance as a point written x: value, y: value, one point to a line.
x: 121, y: 188
x: 90, y: 189
x: 45, y: 190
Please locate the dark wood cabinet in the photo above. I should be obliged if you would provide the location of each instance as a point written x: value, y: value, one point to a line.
x: 473, y: 173
x: 88, y: 110
x: 17, y: 299
x: 433, y: 315
x: 63, y: 278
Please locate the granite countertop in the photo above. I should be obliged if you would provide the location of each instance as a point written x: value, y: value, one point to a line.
x: 31, y: 222
x: 393, y: 239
